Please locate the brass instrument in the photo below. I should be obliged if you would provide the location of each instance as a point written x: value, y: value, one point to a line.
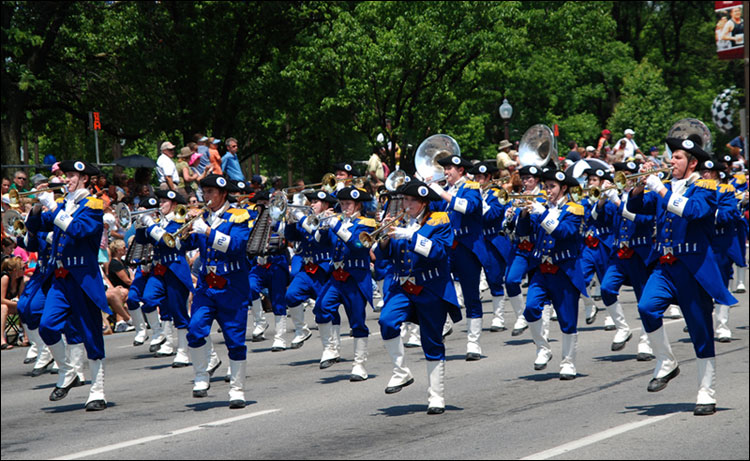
x: 15, y: 197
x: 139, y: 253
x: 368, y: 239
x: 538, y: 147
x: 692, y: 129
x: 13, y: 223
x: 621, y: 179
x: 504, y: 197
x: 171, y: 239
x: 495, y: 182
x: 428, y: 153
x: 395, y: 180
x: 329, y: 182
x: 261, y: 242
x: 125, y: 216
x: 577, y: 192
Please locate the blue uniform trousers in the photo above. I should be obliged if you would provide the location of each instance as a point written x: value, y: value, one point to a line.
x: 275, y: 278
x: 347, y: 293
x: 67, y: 303
x: 619, y: 271
x: 516, y: 272
x: 594, y: 260
x: 305, y: 285
x: 30, y: 306
x: 229, y: 308
x: 674, y: 284
x: 135, y: 294
x: 170, y: 294
x: 466, y: 268
x: 429, y: 310
x: 558, y: 289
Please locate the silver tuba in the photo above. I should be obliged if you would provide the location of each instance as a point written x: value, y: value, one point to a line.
x: 692, y: 129
x: 13, y: 223
x: 538, y: 147
x: 430, y: 151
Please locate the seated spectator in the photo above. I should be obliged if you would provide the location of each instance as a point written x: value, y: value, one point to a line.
x: 11, y: 286
x: 120, y: 277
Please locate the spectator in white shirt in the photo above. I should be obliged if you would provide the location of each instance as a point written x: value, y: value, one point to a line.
x: 631, y: 148
x: 166, y: 170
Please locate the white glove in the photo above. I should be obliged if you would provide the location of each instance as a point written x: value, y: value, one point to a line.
x: 402, y: 233
x: 612, y: 195
x: 199, y: 226
x: 146, y: 220
x: 436, y: 187
x: 47, y: 199
x: 109, y: 220
x: 536, y: 208
x: 653, y: 183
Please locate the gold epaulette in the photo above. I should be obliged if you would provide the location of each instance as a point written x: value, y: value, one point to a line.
x: 437, y: 218
x: 575, y: 208
x: 369, y: 222
x: 239, y: 215
x: 709, y: 184
x: 95, y: 203
x: 724, y: 188
x: 472, y: 184
x: 60, y: 200
x: 740, y: 178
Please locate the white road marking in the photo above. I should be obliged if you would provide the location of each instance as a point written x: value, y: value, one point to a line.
x: 546, y: 454
x: 142, y: 440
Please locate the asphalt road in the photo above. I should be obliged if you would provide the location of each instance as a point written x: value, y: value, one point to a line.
x: 498, y: 407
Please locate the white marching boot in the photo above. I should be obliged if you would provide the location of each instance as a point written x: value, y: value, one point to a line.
x: 141, y: 331
x: 214, y: 362
x: 96, y: 400
x: 260, y: 325
x: 645, y: 353
x: 402, y: 376
x: 590, y: 309
x: 412, y: 334
x: 447, y: 327
x: 543, y: 351
x: 498, y: 308
x: 330, y: 352
x: 336, y: 337
x: 673, y: 312
x: 740, y: 286
x: 158, y: 337
x: 36, y: 344
x: 706, y: 402
x: 202, y: 382
x: 301, y: 332
x: 74, y: 354
x: 359, y: 373
x: 483, y: 285
x: 436, y: 389
x: 237, y: 372
x: 667, y: 367
x: 279, y: 343
x: 609, y: 323
x: 459, y: 294
x: 181, y: 359
x: 473, y: 332
x: 723, y: 333
x: 546, y: 318
x: 43, y: 360
x: 67, y: 377
x: 568, y: 363
x: 623, y: 334
x: 520, y: 326
x: 170, y: 345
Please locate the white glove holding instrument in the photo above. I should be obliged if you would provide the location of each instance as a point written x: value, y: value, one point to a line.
x: 199, y: 226
x: 653, y: 183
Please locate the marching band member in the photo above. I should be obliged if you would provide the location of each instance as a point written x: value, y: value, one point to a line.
x: 76, y: 289
x: 463, y: 202
x: 170, y: 283
x: 350, y: 284
x: 497, y: 244
x: 740, y: 184
x: 686, y: 273
x: 260, y: 324
x: 597, y: 236
x: 559, y: 279
x: 308, y: 282
x: 421, y: 289
x: 523, y: 245
x: 627, y: 263
x: 724, y: 243
x: 221, y: 234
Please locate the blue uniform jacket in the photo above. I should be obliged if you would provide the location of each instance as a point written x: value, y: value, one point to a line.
x: 635, y: 231
x: 685, y: 223
x: 309, y: 249
x: 173, y: 258
x: 492, y: 222
x: 76, y: 248
x: 35, y: 243
x: 728, y: 223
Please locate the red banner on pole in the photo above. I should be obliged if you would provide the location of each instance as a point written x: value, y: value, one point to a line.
x: 97, y: 123
x: 729, y: 32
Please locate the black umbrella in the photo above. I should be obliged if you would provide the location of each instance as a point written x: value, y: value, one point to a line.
x: 135, y: 161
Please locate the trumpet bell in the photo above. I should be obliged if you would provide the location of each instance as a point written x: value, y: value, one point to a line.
x: 538, y: 147
x: 431, y: 150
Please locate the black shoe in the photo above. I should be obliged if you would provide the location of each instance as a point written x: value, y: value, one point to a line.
x: 610, y: 328
x: 620, y: 346
x: 96, y: 405
x: 724, y: 339
x: 497, y: 329
x: 327, y: 363
x: 140, y: 343
x: 472, y: 357
x: 155, y: 347
x: 685, y: 329
x: 257, y: 338
x: 297, y: 345
x: 227, y: 379
x: 657, y: 384
x: 435, y: 411
x: 704, y: 409
x: 394, y: 389
x: 567, y: 377
x: 59, y: 393
x: 518, y: 331
x: 540, y: 366
x: 201, y: 393
x: 644, y: 357
x: 356, y: 378
x: 211, y: 371
x: 278, y: 349
x: 411, y: 345
x: 236, y: 404
x: 28, y: 360
x: 592, y: 319
x: 448, y: 333
x: 43, y: 369
x: 180, y: 364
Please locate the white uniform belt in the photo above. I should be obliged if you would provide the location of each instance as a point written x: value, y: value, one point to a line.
x: 351, y: 264
x: 419, y: 278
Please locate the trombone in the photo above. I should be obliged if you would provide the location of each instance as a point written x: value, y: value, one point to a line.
x: 15, y: 197
x: 368, y: 239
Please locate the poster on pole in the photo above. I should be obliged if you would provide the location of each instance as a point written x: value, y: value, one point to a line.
x: 729, y: 32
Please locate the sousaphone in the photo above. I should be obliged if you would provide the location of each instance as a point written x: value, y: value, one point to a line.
x: 431, y: 150
x: 692, y: 129
x: 538, y: 147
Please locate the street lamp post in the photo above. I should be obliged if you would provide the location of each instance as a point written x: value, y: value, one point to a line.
x: 506, y: 112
